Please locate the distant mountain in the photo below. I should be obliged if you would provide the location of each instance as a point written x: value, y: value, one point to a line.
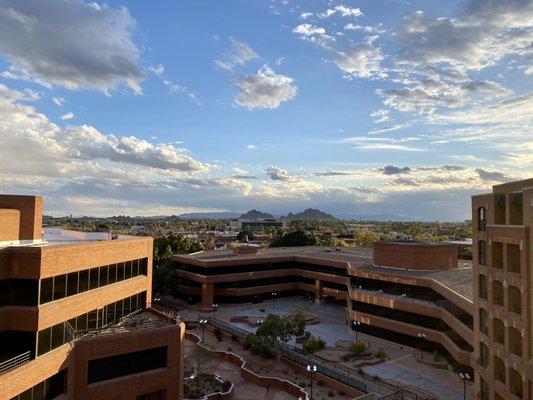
x: 375, y: 217
x: 210, y: 215
x: 311, y: 214
x: 254, y: 214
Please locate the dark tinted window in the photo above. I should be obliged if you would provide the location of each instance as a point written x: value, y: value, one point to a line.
x: 47, y: 291
x: 72, y: 283
x: 126, y: 364
x: 60, y: 286
x: 93, y: 278
x: 84, y: 281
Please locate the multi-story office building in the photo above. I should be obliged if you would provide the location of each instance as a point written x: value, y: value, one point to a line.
x: 503, y: 291
x: 431, y: 294
x: 75, y: 315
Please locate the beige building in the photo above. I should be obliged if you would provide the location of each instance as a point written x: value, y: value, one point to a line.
x: 503, y: 291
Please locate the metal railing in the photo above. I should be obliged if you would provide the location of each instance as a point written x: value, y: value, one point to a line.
x: 340, y: 373
x: 15, y: 362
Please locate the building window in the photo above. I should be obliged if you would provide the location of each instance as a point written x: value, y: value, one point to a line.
x: 483, y: 355
x: 55, y: 336
x: 61, y: 286
x: 46, y: 390
x: 126, y: 364
x: 481, y: 218
x: 482, y: 279
x: 19, y: 292
x: 483, y: 389
x: 482, y: 252
x: 483, y: 321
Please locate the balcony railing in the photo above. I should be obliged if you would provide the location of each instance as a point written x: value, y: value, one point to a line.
x: 15, y: 362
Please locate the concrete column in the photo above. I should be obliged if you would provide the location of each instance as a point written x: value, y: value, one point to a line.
x: 319, y: 288
x: 207, y: 295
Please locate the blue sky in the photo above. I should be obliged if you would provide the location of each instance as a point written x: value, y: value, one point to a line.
x: 353, y: 107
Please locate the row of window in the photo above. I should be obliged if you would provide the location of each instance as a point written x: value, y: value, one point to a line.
x: 55, y: 336
x: 18, y: 292
x: 62, y: 286
x: 46, y: 390
x: 339, y: 271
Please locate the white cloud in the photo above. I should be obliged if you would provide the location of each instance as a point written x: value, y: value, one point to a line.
x: 240, y: 54
x: 343, y: 10
x: 59, y: 101
x: 158, y: 70
x: 67, y: 116
x: 305, y: 15
x: 70, y: 43
x: 175, y: 88
x: 20, y: 95
x: 251, y: 147
x: 266, y: 89
x: 312, y: 33
x: 380, y: 115
x: 362, y: 61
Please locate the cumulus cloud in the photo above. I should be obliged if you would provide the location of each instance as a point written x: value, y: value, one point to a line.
x: 278, y: 174
x: 239, y: 54
x: 362, y: 61
x: 67, y: 116
x: 20, y: 95
x: 312, y: 33
x: 70, y: 43
x: 492, y: 176
x: 343, y: 11
x: 264, y: 90
x: 393, y: 170
x: 305, y: 15
x: 251, y: 147
x: 58, y: 101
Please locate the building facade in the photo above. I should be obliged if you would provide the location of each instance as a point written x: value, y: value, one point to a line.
x: 75, y: 315
x: 395, y: 303
x: 503, y: 283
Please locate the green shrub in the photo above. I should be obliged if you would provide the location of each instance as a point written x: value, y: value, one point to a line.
x: 436, y: 356
x: 357, y: 348
x: 380, y: 354
x: 313, y: 344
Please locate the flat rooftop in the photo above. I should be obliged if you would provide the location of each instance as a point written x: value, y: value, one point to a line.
x: 458, y: 279
x: 355, y: 255
x: 58, y: 236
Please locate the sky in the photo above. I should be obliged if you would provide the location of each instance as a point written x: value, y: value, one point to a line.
x: 360, y: 107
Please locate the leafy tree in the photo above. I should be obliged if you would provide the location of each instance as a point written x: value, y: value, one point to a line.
x: 201, y: 358
x: 365, y: 238
x: 298, y: 237
x: 166, y: 279
x: 313, y: 344
x: 246, y: 233
x: 299, y: 323
x: 258, y: 345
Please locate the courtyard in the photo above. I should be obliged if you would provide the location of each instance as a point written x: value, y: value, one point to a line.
x: 400, y: 366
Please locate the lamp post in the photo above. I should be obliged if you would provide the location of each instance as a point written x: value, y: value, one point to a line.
x: 421, y: 336
x: 312, y: 370
x: 203, y: 322
x: 355, y: 327
x: 274, y: 294
x: 214, y: 307
x: 464, y: 378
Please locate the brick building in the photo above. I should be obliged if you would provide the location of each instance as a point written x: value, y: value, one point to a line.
x: 503, y: 291
x: 75, y: 315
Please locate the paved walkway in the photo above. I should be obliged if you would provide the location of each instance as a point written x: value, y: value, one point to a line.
x: 402, y: 367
